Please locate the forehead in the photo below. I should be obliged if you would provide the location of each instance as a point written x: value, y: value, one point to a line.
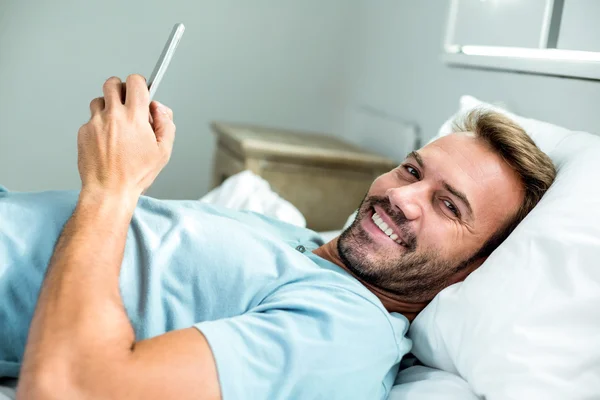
x: 468, y: 164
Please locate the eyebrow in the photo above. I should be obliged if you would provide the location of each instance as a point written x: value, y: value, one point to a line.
x: 447, y: 186
x: 417, y: 157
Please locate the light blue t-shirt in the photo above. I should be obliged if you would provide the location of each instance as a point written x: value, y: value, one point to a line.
x: 282, y: 322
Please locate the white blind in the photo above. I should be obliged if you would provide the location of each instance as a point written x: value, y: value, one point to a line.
x: 515, y: 23
x: 580, y: 28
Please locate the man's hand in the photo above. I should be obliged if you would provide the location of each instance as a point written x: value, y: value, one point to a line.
x: 120, y: 151
x: 81, y: 344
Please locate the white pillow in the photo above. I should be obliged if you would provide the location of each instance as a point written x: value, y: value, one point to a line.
x: 526, y: 325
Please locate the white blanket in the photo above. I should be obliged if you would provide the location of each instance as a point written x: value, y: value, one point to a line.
x: 248, y: 191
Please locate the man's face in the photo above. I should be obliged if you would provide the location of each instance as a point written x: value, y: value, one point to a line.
x: 440, y: 206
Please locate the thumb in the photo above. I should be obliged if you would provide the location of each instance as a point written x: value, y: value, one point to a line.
x: 162, y: 124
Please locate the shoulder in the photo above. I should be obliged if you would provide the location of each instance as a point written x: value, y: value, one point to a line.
x: 356, y: 324
x: 308, y: 339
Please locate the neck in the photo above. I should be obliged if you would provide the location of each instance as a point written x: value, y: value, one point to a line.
x: 391, y: 301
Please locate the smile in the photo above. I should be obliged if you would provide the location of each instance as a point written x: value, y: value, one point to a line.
x: 386, y: 229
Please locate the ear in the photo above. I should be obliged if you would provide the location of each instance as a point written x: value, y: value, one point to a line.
x: 466, y: 271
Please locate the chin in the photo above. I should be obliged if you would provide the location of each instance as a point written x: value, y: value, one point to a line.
x: 355, y: 253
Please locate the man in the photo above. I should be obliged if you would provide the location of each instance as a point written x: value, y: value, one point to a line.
x: 148, y: 299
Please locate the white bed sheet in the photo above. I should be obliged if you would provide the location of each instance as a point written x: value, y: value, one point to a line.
x: 419, y: 382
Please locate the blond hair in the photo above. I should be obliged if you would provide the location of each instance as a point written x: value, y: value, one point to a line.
x: 514, y: 145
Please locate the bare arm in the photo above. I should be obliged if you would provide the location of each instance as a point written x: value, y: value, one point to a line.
x: 81, y: 343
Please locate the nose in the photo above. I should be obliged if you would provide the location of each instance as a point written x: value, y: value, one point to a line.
x: 409, y: 199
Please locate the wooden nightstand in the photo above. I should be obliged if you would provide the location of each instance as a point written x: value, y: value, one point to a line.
x: 324, y: 177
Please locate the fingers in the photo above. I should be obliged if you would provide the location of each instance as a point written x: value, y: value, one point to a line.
x: 163, y: 125
x: 97, y: 105
x: 112, y: 92
x: 133, y: 93
x: 137, y: 95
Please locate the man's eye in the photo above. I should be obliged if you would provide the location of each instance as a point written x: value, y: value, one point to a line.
x: 412, y: 171
x: 452, y: 208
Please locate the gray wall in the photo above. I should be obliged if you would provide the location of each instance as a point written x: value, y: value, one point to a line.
x: 306, y: 64
x: 398, y: 70
x: 272, y: 62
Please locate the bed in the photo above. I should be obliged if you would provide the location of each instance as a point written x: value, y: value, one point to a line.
x: 524, y: 325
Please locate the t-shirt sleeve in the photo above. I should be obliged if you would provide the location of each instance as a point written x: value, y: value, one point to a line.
x: 310, y: 343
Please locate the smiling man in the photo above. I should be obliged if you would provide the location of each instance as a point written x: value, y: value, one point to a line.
x: 433, y: 220
x: 110, y: 294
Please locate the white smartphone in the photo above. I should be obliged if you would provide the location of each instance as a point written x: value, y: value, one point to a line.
x: 165, y: 58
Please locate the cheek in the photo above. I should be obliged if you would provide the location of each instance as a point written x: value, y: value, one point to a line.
x: 442, y: 237
x: 433, y: 235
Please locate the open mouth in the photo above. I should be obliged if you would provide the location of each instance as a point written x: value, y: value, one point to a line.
x: 382, y: 227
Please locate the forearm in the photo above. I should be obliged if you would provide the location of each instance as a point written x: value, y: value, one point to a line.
x: 80, y: 323
x: 80, y: 339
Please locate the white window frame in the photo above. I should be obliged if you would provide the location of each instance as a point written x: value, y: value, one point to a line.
x: 545, y: 59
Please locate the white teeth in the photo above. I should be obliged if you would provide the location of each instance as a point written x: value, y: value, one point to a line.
x: 385, y: 228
